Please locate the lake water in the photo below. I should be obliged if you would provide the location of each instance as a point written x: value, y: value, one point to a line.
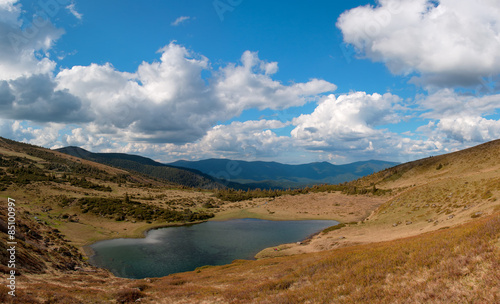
x: 177, y: 249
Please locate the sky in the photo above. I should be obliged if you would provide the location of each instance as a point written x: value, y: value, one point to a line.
x: 287, y: 81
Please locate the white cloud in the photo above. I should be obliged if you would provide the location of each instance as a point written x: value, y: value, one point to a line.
x: 170, y: 100
x: 249, y: 140
x: 460, y: 118
x: 163, y: 101
x: 473, y: 129
x: 72, y: 9
x: 10, y: 12
x: 173, y: 106
x: 350, y: 125
x: 34, y: 98
x: 250, y: 86
x: 342, y: 128
x: 46, y: 135
x: 447, y: 103
x: 447, y: 42
x: 170, y: 106
x: 82, y: 138
x: 27, y: 90
x: 24, y: 47
x: 347, y: 118
x: 180, y: 20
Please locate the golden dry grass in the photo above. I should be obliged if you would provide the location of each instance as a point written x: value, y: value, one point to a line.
x: 323, y: 205
x: 434, y: 239
x: 456, y: 265
x: 447, y: 266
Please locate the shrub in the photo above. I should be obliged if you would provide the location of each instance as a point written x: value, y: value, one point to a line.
x: 61, y: 298
x: 120, y: 209
x: 129, y: 295
x: 336, y: 227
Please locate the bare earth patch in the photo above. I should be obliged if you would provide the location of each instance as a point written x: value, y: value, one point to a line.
x: 328, y: 206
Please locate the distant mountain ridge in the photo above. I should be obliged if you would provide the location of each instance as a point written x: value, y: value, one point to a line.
x: 237, y: 174
x: 283, y: 175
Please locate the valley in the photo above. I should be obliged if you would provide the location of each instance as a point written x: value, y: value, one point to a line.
x: 427, y: 228
x: 250, y: 152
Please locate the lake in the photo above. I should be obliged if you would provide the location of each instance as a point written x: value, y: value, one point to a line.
x: 184, y: 248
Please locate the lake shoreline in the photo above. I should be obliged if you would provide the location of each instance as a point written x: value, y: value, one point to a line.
x: 257, y: 231
x: 320, y: 206
x: 140, y: 233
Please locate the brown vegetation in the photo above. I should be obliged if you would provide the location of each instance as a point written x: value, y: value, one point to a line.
x: 432, y: 237
x: 455, y: 265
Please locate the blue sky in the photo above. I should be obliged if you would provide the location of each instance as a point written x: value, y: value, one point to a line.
x: 288, y: 81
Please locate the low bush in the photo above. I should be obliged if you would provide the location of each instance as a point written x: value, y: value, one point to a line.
x: 336, y: 227
x: 120, y: 209
x: 130, y: 295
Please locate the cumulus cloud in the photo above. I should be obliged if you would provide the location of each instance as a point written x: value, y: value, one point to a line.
x: 249, y: 139
x: 351, y: 126
x: 10, y: 12
x: 46, y: 135
x: 448, y: 103
x: 82, y: 138
x: 171, y: 104
x: 345, y: 128
x: 250, y: 85
x: 24, y: 47
x: 239, y: 140
x: 6, y: 97
x: 460, y: 118
x: 469, y: 129
x: 347, y: 118
x: 164, y: 101
x: 447, y: 42
x: 34, y: 98
x: 174, y: 106
x: 170, y: 100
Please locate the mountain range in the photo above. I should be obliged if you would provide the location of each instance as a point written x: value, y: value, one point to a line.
x: 278, y: 175
x: 236, y: 174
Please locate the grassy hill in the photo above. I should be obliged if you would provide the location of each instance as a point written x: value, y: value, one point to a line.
x: 427, y: 232
x: 448, y: 188
x: 85, y: 199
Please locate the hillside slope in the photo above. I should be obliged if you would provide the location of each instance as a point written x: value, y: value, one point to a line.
x: 476, y: 160
x: 421, y: 196
x: 89, y: 201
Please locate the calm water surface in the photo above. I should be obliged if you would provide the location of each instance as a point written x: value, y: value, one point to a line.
x: 177, y: 249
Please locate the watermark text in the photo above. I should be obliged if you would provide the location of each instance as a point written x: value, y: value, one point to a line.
x: 223, y: 6
x: 11, y: 246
